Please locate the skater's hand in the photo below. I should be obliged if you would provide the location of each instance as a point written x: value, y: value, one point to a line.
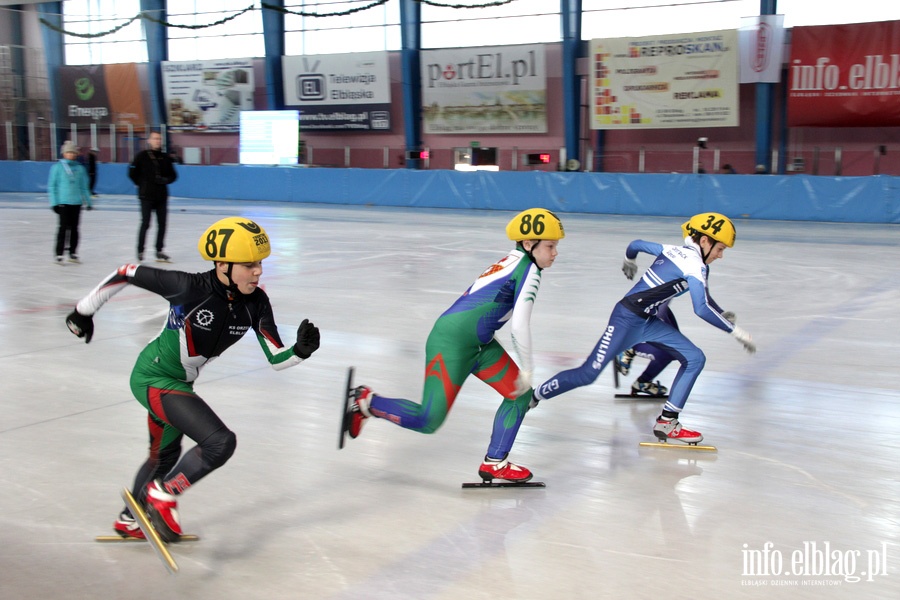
x: 730, y: 317
x: 523, y: 382
x: 534, y: 402
x: 56, y: 209
x: 81, y: 325
x: 307, y: 339
x: 744, y: 338
x: 629, y: 267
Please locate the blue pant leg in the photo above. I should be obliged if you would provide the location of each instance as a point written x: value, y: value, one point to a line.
x: 685, y: 352
x: 623, y: 331
x: 660, y: 359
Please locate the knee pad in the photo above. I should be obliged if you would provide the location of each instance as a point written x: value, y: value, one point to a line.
x: 218, y: 448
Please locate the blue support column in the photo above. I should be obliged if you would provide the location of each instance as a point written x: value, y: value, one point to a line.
x: 411, y: 76
x: 54, y: 51
x: 764, y: 106
x: 273, y: 35
x: 157, y: 52
x: 570, y: 16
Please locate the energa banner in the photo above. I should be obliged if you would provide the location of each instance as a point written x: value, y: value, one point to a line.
x: 101, y: 94
x: 663, y: 82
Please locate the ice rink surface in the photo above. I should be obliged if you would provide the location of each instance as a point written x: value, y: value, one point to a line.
x: 802, y: 499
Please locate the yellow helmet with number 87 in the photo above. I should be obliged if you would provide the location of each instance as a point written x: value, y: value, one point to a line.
x: 535, y: 224
x: 234, y: 240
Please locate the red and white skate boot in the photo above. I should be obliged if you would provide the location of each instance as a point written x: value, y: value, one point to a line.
x: 503, y: 469
x: 362, y: 396
x: 162, y: 508
x: 671, y: 430
x: 127, y: 527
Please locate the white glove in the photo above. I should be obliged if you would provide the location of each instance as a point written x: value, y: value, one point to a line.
x: 745, y: 339
x: 523, y: 382
x: 730, y: 317
x: 629, y: 267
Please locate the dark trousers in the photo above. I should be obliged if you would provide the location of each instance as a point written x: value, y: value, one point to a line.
x: 69, y: 216
x: 148, y: 207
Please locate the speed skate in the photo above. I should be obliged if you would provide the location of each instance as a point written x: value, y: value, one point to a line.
x: 679, y: 446
x: 348, y: 408
x: 143, y: 521
x: 504, y: 484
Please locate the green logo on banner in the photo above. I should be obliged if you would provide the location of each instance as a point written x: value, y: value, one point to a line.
x: 84, y: 88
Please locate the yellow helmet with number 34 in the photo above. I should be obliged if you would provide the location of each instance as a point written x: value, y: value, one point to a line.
x: 716, y: 226
x: 535, y: 224
x: 234, y: 240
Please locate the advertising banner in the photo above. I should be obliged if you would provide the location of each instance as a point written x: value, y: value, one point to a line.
x: 101, y: 94
x: 339, y: 91
x: 845, y: 75
x: 207, y: 95
x: 761, y: 41
x: 499, y: 89
x: 663, y: 82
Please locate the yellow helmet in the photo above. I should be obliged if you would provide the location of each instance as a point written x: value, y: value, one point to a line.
x: 234, y: 240
x: 535, y: 224
x: 715, y: 225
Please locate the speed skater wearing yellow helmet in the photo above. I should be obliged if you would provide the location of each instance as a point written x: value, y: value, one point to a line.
x: 716, y: 226
x: 535, y: 224
x: 234, y: 240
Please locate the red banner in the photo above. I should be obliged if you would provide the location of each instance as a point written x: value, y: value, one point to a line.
x: 845, y: 76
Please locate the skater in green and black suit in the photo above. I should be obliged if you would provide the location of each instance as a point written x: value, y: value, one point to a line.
x: 208, y: 313
x: 462, y: 343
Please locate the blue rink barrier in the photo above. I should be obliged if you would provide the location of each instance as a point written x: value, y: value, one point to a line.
x: 873, y: 199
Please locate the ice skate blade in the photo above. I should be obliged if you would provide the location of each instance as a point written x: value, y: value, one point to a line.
x: 504, y: 484
x: 643, y: 396
x: 150, y: 533
x: 111, y: 539
x: 345, y: 416
x: 697, y: 447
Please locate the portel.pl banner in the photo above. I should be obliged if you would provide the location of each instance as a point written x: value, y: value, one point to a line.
x: 672, y: 81
x: 845, y: 75
x: 500, y: 89
x: 339, y: 91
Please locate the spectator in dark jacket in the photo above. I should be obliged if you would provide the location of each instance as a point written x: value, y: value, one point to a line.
x: 152, y: 170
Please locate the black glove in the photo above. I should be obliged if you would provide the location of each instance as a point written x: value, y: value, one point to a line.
x: 90, y: 207
x: 81, y: 325
x: 55, y: 209
x: 307, y: 339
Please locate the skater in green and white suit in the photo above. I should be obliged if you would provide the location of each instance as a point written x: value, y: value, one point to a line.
x: 208, y: 313
x: 462, y: 343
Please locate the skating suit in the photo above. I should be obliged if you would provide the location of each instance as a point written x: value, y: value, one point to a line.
x: 204, y: 320
x: 462, y: 343
x: 675, y: 270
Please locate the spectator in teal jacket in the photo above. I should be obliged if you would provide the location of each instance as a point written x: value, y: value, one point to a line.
x: 68, y: 190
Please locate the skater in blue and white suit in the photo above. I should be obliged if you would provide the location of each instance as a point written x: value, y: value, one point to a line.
x: 675, y: 271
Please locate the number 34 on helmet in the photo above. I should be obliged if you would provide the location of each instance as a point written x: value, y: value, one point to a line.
x: 535, y: 224
x: 716, y: 226
x: 234, y: 240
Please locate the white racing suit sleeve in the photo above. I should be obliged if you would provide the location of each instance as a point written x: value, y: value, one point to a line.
x: 107, y: 288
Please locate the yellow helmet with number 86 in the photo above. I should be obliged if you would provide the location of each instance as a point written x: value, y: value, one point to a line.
x: 535, y: 224
x: 234, y: 240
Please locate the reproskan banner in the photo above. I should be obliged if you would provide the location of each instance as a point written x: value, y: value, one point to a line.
x: 845, y: 76
x: 665, y: 82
